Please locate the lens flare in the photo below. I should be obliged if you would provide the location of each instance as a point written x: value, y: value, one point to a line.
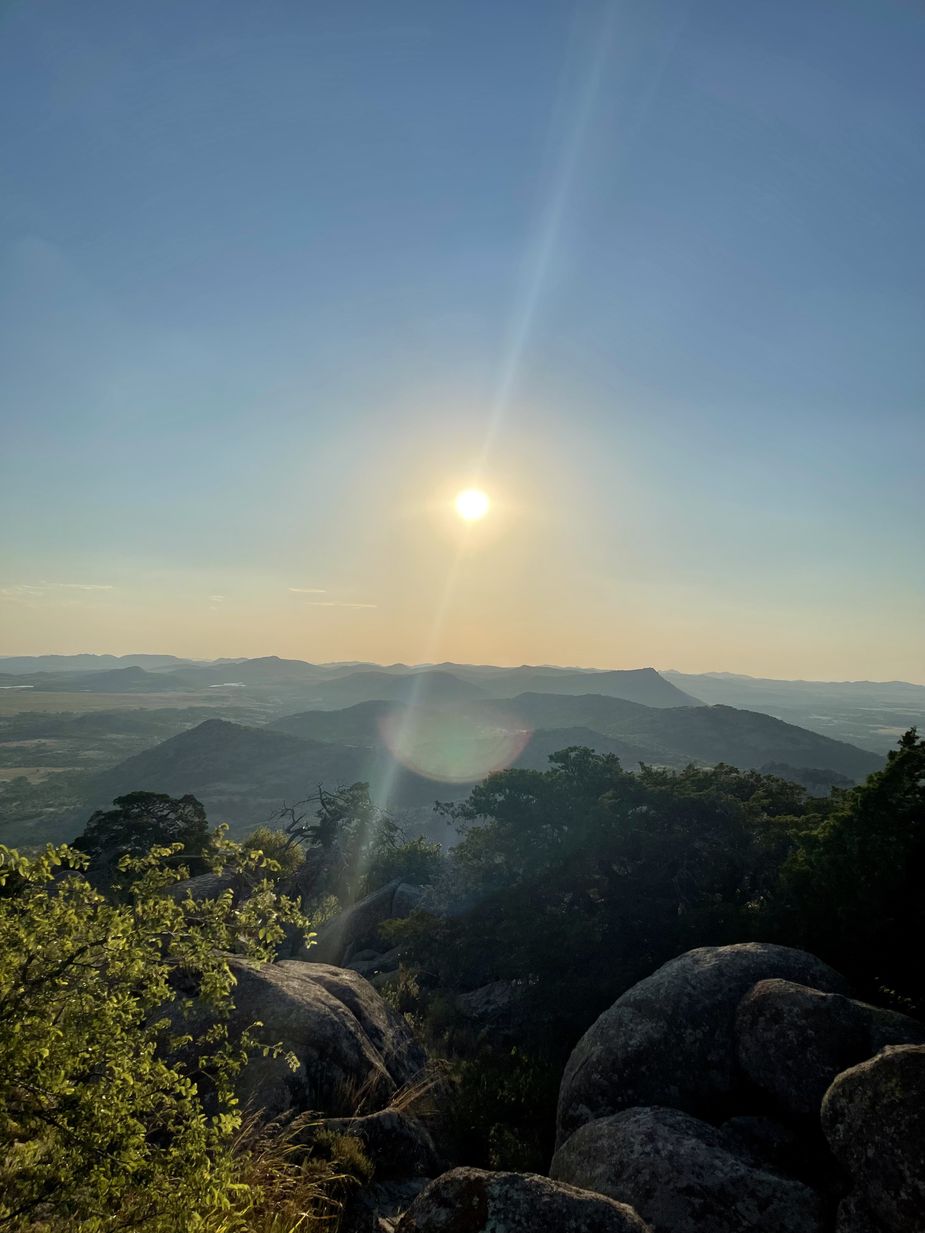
x: 451, y: 747
x: 472, y: 504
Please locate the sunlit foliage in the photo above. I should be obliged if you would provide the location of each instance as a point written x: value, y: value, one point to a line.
x: 100, y: 1126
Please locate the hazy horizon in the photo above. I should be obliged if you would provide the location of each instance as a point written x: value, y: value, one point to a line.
x: 397, y: 663
x: 279, y: 282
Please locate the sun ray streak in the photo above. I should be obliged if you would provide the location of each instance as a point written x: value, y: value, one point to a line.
x: 586, y: 62
x: 591, y: 52
x: 546, y: 237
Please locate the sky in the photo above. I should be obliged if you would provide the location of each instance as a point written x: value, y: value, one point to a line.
x: 277, y: 280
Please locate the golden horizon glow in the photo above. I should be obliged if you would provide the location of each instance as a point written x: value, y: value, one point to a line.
x: 472, y: 504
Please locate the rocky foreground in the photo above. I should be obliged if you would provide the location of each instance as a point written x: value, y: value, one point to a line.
x: 739, y: 1089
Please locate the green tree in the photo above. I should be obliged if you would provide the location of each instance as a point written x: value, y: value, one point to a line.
x: 140, y: 821
x: 101, y: 1127
x: 337, y: 831
x: 853, y: 888
x: 570, y: 885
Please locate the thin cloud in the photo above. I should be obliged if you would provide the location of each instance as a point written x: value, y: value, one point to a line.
x: 29, y: 590
x: 326, y: 603
x: 336, y: 603
x: 217, y: 599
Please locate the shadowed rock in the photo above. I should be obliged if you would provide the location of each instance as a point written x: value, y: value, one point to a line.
x: 792, y: 1041
x: 873, y: 1116
x: 681, y: 1176
x: 670, y: 1039
x: 352, y: 1051
x: 360, y: 922
x: 475, y: 1201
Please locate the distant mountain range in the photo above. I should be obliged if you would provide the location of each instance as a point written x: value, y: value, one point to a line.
x: 337, y: 685
x: 244, y: 735
x: 84, y: 663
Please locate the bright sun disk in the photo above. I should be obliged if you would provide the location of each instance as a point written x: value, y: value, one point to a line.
x: 472, y: 504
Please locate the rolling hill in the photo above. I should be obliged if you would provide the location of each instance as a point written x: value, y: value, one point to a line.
x: 872, y: 714
x: 242, y: 774
x: 668, y: 736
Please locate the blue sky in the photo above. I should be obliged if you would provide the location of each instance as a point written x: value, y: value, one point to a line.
x: 277, y: 279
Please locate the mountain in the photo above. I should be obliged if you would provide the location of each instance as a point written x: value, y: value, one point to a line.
x: 643, y: 685
x: 871, y: 714
x: 360, y: 723
x: 746, y: 739
x: 547, y: 741
x: 664, y: 736
x: 267, y: 670
x: 728, y: 687
x: 426, y: 688
x: 243, y: 774
x: 281, y: 684
x: 27, y: 664
x: 411, y: 756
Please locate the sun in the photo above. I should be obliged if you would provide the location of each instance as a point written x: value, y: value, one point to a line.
x: 472, y: 504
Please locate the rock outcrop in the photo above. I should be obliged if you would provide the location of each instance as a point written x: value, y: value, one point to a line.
x: 873, y: 1117
x: 475, y: 1201
x: 670, y: 1040
x: 682, y: 1176
x: 792, y: 1041
x: 358, y: 925
x: 352, y: 1052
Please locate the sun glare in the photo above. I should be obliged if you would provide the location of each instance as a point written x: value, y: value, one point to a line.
x: 472, y: 504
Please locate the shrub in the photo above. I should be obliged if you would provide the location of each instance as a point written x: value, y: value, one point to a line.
x: 99, y: 1127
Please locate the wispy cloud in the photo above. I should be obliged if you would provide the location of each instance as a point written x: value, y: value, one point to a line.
x: 326, y: 603
x: 35, y: 590
x: 217, y: 599
x: 336, y: 603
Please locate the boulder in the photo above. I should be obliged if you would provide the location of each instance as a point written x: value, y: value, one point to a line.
x: 353, y: 1052
x: 360, y: 922
x: 670, y: 1039
x: 489, y: 1003
x: 476, y: 1201
x: 873, y: 1116
x: 792, y: 1041
x: 405, y: 900
x: 371, y: 963
x: 681, y: 1176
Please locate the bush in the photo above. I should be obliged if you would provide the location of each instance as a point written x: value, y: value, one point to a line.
x: 277, y: 847
x: 418, y: 861
x: 99, y: 1128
